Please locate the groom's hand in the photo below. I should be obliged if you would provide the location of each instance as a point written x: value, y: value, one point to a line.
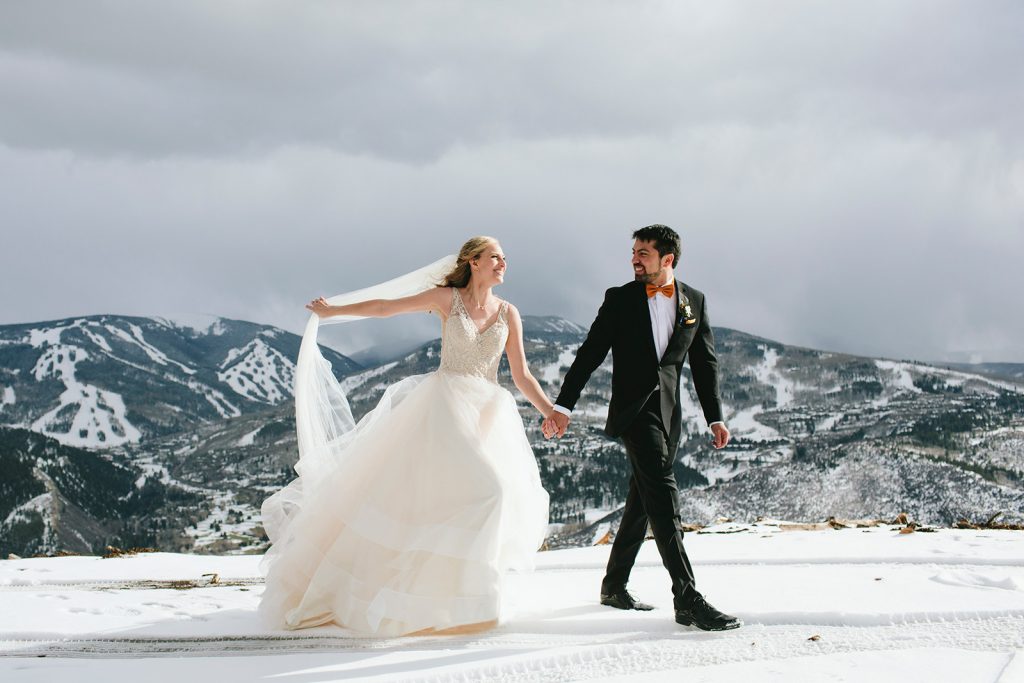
x: 721, y: 434
x: 560, y: 422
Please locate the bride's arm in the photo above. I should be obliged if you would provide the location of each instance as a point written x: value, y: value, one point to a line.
x: 435, y: 300
x: 524, y: 380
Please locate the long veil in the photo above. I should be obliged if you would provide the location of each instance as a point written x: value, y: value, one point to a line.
x: 323, y: 417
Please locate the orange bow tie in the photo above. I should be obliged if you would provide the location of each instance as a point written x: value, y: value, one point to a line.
x: 668, y: 290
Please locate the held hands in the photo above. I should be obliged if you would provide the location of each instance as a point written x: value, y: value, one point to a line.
x: 320, y: 307
x: 721, y: 434
x: 555, y: 425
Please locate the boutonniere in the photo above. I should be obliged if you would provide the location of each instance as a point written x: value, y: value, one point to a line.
x: 686, y: 317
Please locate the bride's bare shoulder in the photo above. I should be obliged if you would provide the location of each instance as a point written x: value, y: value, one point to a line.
x: 442, y: 298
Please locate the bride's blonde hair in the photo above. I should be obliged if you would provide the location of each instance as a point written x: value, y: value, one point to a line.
x: 459, y: 275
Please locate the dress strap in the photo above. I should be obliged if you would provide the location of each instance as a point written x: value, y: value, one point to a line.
x: 503, y: 312
x: 457, y: 306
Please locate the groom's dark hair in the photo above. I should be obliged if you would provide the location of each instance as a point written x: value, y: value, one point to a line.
x: 666, y: 240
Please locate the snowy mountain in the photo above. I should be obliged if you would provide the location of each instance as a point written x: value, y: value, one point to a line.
x: 816, y: 434
x: 877, y: 437
x: 1011, y: 372
x: 61, y: 497
x: 104, y: 381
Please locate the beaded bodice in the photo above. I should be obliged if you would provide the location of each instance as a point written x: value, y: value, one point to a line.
x: 465, y: 350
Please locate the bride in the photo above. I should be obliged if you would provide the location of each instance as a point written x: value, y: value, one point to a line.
x: 407, y: 521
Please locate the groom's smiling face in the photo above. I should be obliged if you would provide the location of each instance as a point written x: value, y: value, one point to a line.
x: 648, y: 264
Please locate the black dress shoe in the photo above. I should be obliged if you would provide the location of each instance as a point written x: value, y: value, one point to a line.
x: 623, y: 600
x: 702, y: 615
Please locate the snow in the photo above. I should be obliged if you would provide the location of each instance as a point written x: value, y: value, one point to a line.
x: 49, y: 336
x: 8, y: 397
x: 200, y: 323
x: 258, y: 372
x: 902, y: 379
x: 744, y: 423
x: 838, y: 605
x: 766, y: 372
x: 41, y: 504
x: 598, y: 410
x: 96, y: 339
x: 250, y: 438
x: 205, y: 532
x: 151, y: 469
x: 953, y: 378
x: 552, y: 372
x: 100, y: 416
x: 565, y: 326
x: 155, y: 354
x: 878, y: 667
x: 957, y: 378
x: 102, y: 411
x: 591, y: 515
x: 689, y: 406
x: 828, y: 423
x: 726, y: 470
x: 353, y: 382
x: 215, y: 398
x: 600, y: 532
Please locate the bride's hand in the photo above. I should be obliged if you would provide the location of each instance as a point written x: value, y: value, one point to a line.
x: 320, y: 307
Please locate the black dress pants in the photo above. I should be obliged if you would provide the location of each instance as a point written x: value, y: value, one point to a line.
x: 653, y: 499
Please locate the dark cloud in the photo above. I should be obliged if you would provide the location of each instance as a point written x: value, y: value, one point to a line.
x: 844, y: 176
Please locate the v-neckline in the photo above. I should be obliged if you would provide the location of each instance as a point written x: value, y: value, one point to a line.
x: 472, y: 323
x: 650, y: 321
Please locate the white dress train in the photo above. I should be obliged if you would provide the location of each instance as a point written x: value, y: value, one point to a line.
x: 435, y: 495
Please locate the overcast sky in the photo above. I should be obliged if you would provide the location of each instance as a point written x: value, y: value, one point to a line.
x: 845, y: 175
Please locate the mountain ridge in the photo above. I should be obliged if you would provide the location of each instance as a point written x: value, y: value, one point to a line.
x: 940, y: 443
x: 89, y: 372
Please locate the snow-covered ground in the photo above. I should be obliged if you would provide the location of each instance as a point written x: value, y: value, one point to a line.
x: 836, y: 605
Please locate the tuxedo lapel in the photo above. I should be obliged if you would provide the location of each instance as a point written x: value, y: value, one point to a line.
x: 677, y: 327
x: 680, y: 298
x: 647, y: 334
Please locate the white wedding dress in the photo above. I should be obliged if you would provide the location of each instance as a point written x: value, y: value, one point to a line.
x: 428, y: 501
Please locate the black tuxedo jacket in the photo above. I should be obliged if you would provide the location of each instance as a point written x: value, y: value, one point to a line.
x: 623, y: 324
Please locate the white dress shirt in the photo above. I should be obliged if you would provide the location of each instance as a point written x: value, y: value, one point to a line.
x: 663, y: 320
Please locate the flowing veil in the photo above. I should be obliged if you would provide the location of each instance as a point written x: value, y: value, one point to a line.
x: 323, y: 418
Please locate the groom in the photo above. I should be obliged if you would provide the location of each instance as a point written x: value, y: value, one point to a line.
x: 651, y: 325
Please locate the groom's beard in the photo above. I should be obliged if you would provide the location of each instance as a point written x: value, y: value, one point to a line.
x: 645, y: 277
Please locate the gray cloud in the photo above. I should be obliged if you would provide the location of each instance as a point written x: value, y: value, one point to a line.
x: 846, y: 177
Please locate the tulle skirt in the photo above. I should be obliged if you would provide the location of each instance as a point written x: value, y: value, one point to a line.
x: 432, y: 497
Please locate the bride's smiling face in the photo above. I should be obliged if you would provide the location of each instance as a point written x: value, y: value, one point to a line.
x: 489, y: 266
